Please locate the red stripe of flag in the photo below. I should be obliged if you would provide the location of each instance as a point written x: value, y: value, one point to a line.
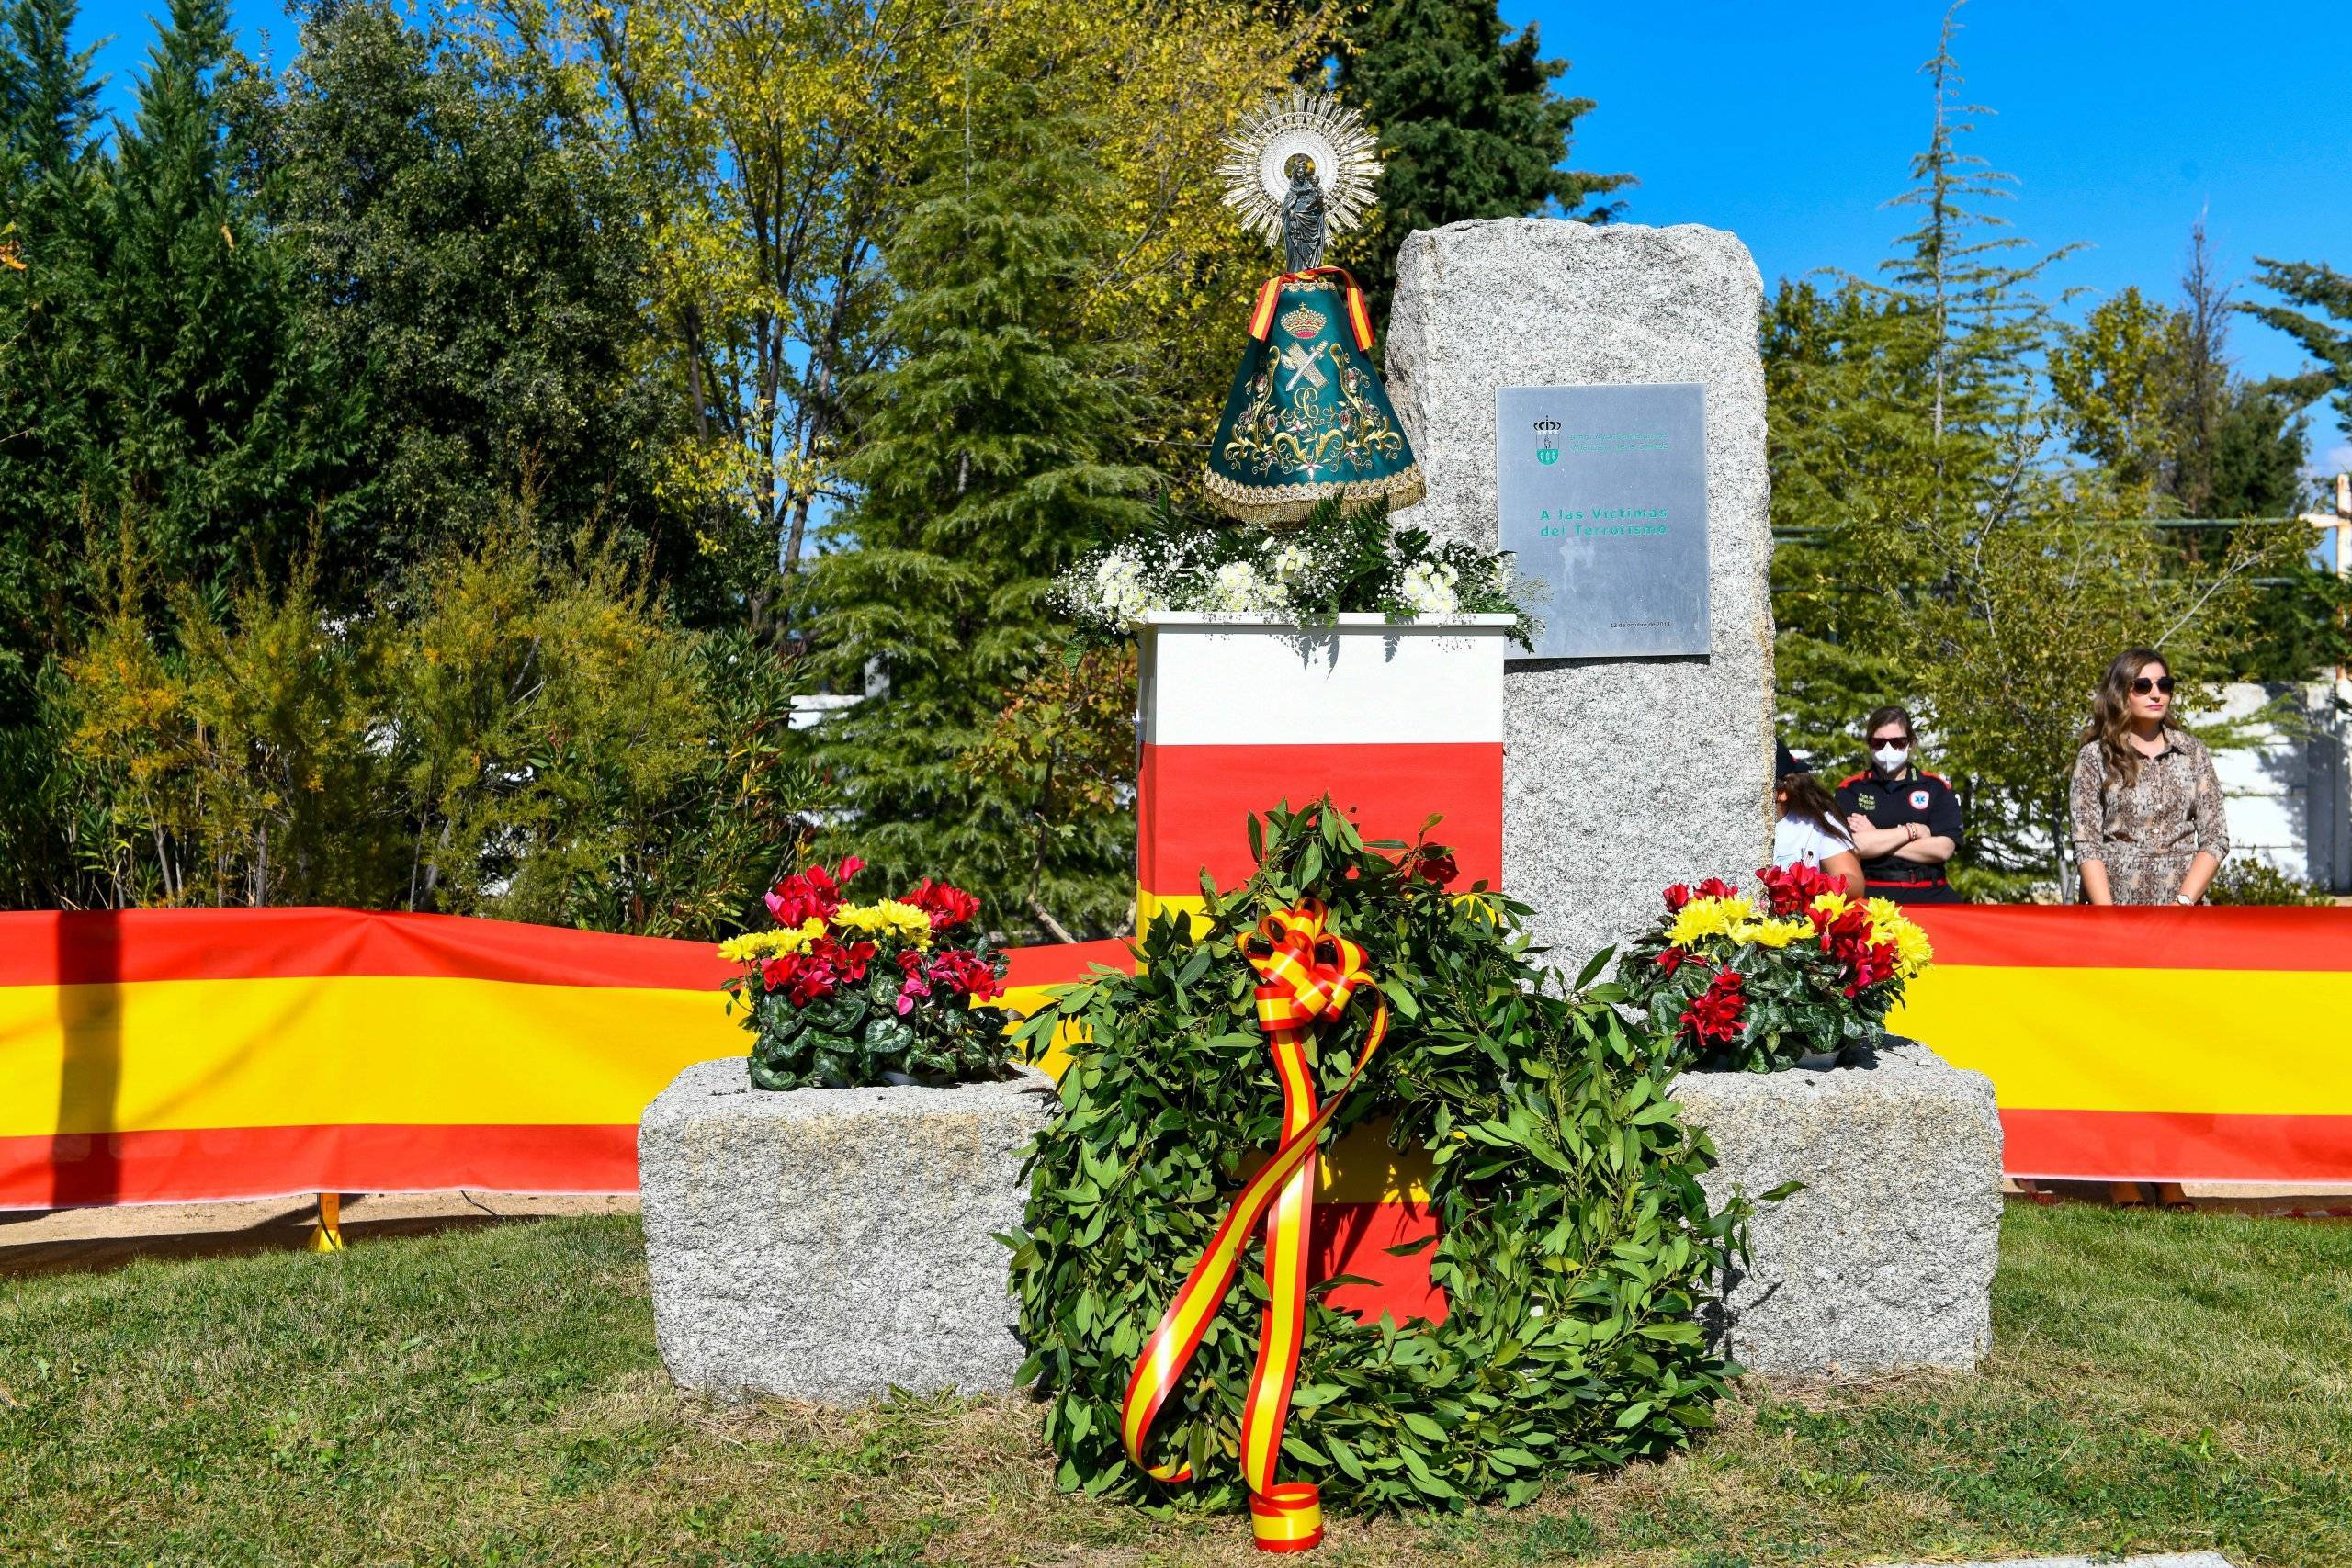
x: 221, y: 1163
x: 2145, y: 1146
x: 2060, y: 937
x: 107, y: 947
x: 1194, y: 801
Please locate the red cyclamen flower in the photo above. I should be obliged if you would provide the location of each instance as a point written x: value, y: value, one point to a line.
x: 815, y: 891
x: 965, y: 974
x: 1714, y: 1018
x: 800, y: 976
x: 947, y: 905
x: 1793, y: 888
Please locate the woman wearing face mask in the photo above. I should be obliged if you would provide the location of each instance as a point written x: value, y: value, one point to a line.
x: 2149, y: 827
x: 1905, y: 822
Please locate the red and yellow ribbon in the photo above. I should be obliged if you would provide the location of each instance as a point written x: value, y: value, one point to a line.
x: 1262, y: 318
x: 1306, y: 976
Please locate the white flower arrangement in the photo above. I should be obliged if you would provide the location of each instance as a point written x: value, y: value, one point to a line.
x: 1334, y: 564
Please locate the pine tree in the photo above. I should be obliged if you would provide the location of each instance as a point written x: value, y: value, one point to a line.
x: 2326, y: 336
x: 50, y: 362
x: 46, y: 90
x: 988, y: 456
x: 1469, y: 125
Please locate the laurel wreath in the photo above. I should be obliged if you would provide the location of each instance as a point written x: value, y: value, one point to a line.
x: 1576, y: 1249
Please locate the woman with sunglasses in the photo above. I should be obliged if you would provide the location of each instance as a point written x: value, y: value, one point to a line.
x: 2147, y: 813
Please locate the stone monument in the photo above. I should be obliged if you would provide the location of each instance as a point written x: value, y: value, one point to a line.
x: 1621, y: 774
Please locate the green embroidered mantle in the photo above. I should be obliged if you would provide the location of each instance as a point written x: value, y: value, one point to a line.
x: 1308, y: 418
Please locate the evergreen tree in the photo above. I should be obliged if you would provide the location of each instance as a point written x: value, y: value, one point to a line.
x: 1944, y: 559
x: 46, y: 90
x: 462, y: 258
x: 988, y: 456
x: 51, y: 408
x: 2326, y: 336
x: 1469, y: 125
x: 229, y: 439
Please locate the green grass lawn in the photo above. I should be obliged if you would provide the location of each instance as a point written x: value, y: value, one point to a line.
x: 491, y: 1395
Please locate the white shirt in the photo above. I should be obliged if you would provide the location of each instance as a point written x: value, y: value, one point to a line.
x: 1794, y: 839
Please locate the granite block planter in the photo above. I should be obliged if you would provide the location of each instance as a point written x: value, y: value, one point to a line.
x: 1885, y: 1259
x: 831, y: 1245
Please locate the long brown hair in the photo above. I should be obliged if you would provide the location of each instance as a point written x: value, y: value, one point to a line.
x: 1804, y: 798
x: 2111, y: 713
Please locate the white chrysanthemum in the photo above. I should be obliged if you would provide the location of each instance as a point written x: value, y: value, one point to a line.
x: 1293, y: 565
x: 1237, y: 588
x: 1429, y: 589
x: 1120, y: 593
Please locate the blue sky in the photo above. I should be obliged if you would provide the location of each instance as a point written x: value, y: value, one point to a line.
x: 1790, y: 122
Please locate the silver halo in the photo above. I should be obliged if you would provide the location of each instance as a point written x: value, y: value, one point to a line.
x: 1345, y: 153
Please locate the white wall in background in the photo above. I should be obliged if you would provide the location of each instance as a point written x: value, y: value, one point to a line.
x: 2288, y: 796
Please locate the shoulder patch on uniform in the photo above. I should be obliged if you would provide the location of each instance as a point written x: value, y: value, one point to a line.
x: 1937, y: 778
x: 1853, y: 778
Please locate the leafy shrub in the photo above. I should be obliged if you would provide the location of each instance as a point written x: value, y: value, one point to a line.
x: 521, y: 734
x: 1575, y: 1243
x: 2250, y: 879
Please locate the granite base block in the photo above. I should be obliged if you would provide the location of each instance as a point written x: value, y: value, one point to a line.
x: 831, y: 1245
x: 1885, y: 1259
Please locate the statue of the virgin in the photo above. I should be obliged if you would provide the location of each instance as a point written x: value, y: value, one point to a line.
x: 1308, y: 418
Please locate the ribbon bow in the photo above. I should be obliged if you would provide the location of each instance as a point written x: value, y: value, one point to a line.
x: 1306, y: 976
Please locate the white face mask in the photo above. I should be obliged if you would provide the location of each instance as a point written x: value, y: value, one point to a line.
x: 1890, y: 758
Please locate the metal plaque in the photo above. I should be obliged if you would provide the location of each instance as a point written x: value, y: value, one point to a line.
x: 1604, y: 499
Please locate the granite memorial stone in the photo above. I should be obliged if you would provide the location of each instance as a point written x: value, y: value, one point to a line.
x: 1621, y: 773
x: 1884, y: 1259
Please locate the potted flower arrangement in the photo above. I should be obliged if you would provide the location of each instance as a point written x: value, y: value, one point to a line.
x: 1754, y: 984
x: 841, y: 994
x: 818, y: 1218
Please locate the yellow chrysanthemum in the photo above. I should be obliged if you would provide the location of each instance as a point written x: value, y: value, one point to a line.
x: 1912, y: 952
x: 754, y: 946
x: 1832, y: 905
x: 1707, y: 917
x: 1772, y: 933
x: 887, y: 918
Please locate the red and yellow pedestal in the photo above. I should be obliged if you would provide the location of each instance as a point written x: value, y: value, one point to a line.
x: 1394, y: 723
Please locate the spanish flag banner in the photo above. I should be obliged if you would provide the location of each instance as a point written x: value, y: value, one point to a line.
x: 2150, y: 1044
x: 175, y: 1055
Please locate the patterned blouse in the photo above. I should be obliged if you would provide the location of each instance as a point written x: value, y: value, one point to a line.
x: 2148, y: 831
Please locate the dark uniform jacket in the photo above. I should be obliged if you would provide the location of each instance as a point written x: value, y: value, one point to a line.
x: 1910, y: 796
